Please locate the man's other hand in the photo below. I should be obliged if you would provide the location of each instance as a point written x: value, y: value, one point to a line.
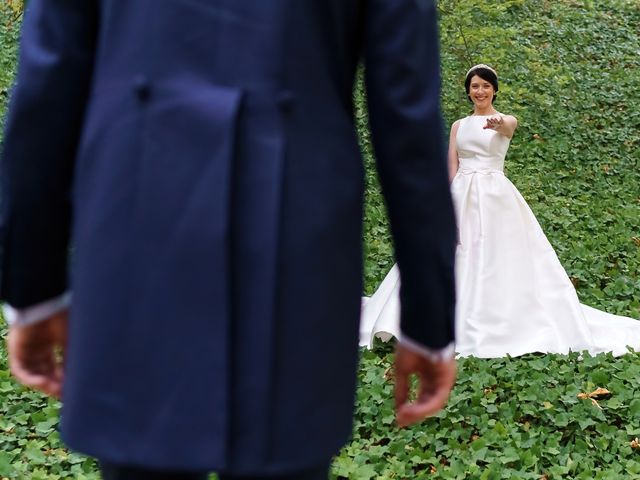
x: 436, y: 379
x: 36, y: 353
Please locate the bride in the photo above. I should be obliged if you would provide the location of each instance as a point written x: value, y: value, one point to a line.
x: 514, y: 297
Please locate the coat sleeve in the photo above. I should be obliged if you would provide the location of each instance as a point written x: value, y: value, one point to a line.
x: 403, y: 90
x: 41, y: 137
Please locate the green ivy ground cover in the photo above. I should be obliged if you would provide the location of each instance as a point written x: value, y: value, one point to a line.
x: 569, y: 71
x: 9, y: 31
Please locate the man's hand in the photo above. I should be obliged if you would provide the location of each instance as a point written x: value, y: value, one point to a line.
x: 436, y: 381
x: 36, y: 353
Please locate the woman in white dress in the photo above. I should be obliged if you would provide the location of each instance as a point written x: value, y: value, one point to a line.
x: 513, y: 296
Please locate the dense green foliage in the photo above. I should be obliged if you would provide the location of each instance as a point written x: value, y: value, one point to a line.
x: 568, y: 71
x: 507, y: 419
x: 9, y: 31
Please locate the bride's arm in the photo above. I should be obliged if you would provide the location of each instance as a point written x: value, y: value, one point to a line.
x: 503, y: 124
x: 453, y: 151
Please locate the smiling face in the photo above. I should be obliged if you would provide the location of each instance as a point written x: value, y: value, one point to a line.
x: 481, y: 85
x: 481, y: 92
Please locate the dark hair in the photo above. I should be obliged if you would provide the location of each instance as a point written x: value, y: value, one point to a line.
x: 485, y: 74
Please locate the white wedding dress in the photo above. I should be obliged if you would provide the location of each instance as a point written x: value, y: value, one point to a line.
x: 513, y: 296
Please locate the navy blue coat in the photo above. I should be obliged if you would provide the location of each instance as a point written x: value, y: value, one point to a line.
x: 199, y: 157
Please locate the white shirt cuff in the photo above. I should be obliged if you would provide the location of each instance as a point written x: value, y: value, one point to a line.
x: 36, y: 313
x: 433, y: 354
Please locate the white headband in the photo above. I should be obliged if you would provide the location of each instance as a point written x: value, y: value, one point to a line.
x: 480, y: 65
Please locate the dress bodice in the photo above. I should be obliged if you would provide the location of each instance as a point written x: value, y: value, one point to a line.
x: 480, y: 149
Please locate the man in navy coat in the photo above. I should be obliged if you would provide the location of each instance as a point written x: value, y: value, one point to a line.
x: 182, y: 196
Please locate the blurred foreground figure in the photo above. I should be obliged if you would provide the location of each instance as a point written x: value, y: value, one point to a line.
x: 198, y: 159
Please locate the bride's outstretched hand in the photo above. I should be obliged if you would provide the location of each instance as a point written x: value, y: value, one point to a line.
x: 494, y: 122
x: 436, y: 379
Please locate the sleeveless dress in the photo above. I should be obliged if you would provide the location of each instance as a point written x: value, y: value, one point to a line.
x: 513, y: 296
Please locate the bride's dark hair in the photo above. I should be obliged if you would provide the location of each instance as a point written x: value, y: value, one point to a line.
x: 484, y: 73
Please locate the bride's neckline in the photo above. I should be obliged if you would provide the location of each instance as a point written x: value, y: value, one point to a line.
x: 487, y: 115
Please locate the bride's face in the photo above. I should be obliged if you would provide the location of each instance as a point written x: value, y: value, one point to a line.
x: 481, y: 92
